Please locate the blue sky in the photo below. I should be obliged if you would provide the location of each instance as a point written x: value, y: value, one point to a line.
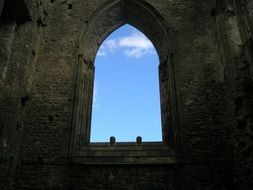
x: 126, y: 100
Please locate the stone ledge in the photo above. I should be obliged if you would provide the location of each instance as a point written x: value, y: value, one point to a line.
x: 126, y: 153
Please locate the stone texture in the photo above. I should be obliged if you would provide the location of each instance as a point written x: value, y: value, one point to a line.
x: 47, y: 49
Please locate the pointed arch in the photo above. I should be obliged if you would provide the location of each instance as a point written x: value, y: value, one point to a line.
x: 139, y: 113
x: 117, y: 13
x: 109, y: 17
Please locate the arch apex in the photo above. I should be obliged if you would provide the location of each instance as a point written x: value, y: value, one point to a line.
x: 116, y: 13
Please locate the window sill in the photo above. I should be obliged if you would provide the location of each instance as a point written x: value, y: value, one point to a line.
x: 126, y: 153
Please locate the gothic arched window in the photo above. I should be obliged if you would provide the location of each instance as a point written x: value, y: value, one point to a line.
x: 126, y: 99
x: 102, y: 23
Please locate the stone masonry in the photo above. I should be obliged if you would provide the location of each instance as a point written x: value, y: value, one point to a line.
x: 47, y: 51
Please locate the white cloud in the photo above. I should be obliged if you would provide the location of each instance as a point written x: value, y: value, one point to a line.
x: 111, y: 44
x: 101, y: 53
x: 137, y: 40
x: 136, y: 52
x: 95, y: 95
x: 107, y: 47
x: 135, y: 46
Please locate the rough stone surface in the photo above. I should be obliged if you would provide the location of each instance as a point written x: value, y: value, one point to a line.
x: 47, y: 49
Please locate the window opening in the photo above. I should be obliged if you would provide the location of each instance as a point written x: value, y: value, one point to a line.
x: 126, y: 99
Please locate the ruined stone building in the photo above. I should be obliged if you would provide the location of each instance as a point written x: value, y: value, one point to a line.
x: 47, y: 51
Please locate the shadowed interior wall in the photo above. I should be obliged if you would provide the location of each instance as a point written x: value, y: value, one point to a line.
x: 1, y: 6
x: 212, y: 64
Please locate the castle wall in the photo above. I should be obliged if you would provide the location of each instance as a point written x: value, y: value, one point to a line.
x: 213, y: 85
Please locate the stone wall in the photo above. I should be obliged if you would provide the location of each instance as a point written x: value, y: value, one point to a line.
x: 243, y: 91
x: 211, y: 43
x: 1, y: 6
